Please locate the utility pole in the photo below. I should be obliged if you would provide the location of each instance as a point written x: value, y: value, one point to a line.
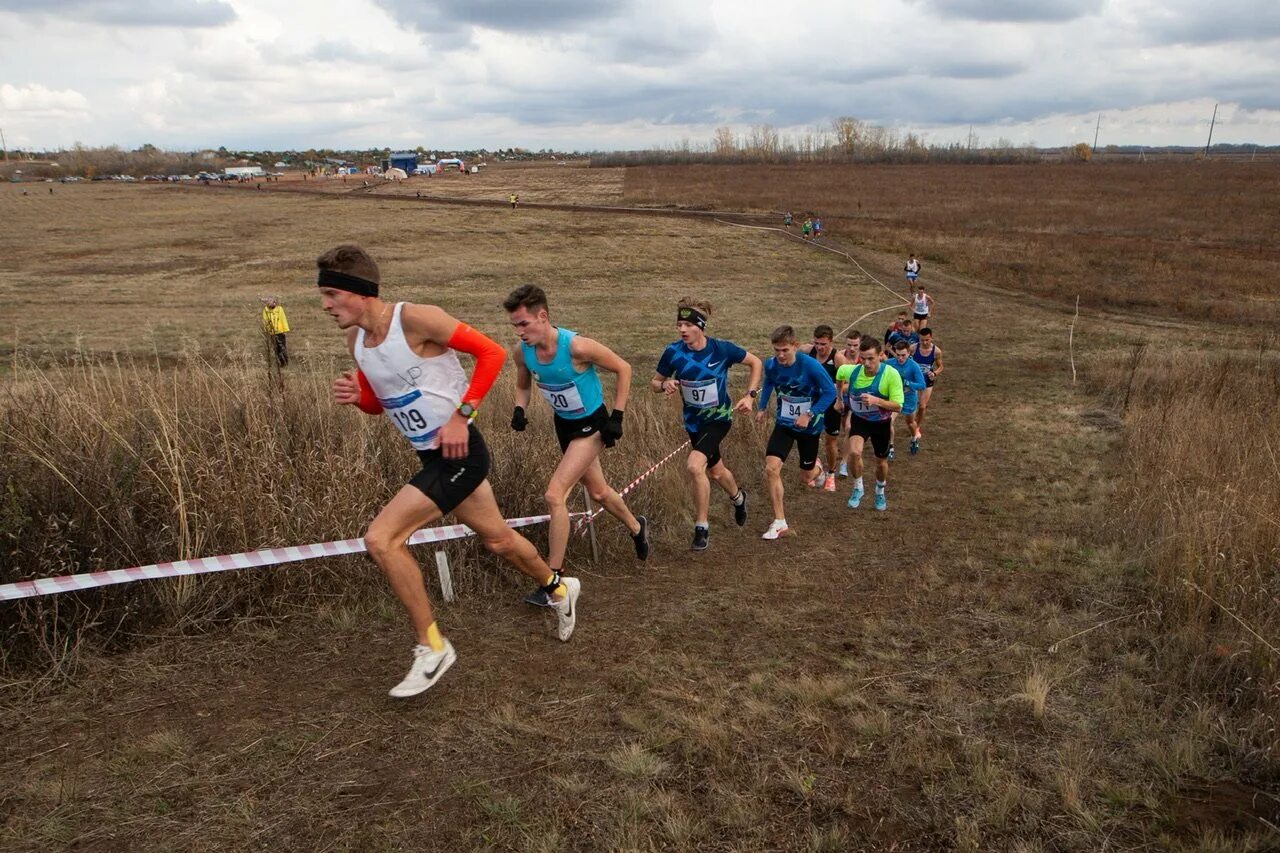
x: 1212, y: 122
x: 1095, y: 133
x: 969, y: 141
x: 3, y: 145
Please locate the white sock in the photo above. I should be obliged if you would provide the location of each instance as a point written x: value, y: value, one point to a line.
x: 779, y: 522
x: 705, y: 525
x: 879, y: 485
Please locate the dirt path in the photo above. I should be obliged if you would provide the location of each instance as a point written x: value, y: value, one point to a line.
x: 856, y: 686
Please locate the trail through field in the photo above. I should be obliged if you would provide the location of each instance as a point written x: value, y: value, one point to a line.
x: 878, y: 680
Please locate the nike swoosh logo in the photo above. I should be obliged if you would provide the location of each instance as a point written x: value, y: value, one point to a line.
x: 714, y: 363
x: 432, y: 673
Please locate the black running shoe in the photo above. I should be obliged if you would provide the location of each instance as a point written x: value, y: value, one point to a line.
x: 642, y: 539
x: 740, y: 510
x: 701, y: 535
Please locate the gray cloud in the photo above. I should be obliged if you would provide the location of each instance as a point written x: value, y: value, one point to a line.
x: 130, y: 13
x: 1015, y: 11
x: 512, y: 16
x: 1224, y: 21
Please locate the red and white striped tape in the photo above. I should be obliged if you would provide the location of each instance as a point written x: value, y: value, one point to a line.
x: 588, y: 518
x: 229, y: 562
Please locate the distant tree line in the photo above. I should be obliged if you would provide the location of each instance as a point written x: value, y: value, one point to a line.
x: 845, y: 140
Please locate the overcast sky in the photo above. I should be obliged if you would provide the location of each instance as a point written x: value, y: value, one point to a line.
x: 610, y: 74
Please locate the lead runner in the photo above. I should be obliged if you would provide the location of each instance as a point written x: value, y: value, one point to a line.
x: 409, y: 369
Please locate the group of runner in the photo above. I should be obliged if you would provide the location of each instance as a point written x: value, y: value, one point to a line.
x: 408, y: 368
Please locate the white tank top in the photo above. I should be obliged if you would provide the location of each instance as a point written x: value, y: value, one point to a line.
x: 922, y: 303
x: 418, y: 394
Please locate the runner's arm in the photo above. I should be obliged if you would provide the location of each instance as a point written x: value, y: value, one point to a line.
x: 524, y: 382
x: 894, y: 404
x: 752, y: 361
x: 662, y: 375
x: 429, y: 323
x: 594, y: 352
x: 937, y: 362
x: 823, y: 381
x: 916, y: 380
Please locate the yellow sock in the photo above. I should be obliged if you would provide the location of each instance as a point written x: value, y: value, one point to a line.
x: 561, y: 591
x: 434, y: 638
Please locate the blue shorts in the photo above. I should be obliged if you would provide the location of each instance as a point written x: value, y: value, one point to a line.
x: 912, y: 276
x: 910, y: 410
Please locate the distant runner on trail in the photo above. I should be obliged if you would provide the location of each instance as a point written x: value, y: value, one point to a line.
x: 912, y: 269
x: 826, y: 355
x: 409, y: 369
x: 922, y: 306
x: 806, y: 228
x: 803, y: 388
x: 698, y: 367
x: 902, y: 329
x: 563, y: 365
x: 874, y: 393
x: 912, y: 384
x: 929, y: 356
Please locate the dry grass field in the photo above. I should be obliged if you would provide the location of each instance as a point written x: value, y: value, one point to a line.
x: 986, y: 666
x: 1194, y: 240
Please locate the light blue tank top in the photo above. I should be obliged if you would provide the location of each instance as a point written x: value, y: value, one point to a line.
x: 571, y: 394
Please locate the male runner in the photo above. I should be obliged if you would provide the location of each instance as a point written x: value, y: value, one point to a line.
x: 409, y: 368
x: 803, y: 387
x: 563, y: 364
x: 874, y: 393
x: 912, y: 269
x: 912, y: 384
x: 848, y: 355
x: 698, y: 367
x: 825, y: 353
x: 901, y: 328
x: 929, y: 356
x: 922, y: 306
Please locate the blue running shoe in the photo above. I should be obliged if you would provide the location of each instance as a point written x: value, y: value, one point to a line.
x: 882, y: 503
x: 915, y: 446
x: 856, y: 497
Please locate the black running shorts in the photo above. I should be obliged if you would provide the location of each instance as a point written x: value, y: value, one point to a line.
x: 567, y: 430
x: 781, y: 439
x: 707, y: 440
x: 921, y: 316
x: 877, y: 432
x: 449, y: 482
x: 831, y: 420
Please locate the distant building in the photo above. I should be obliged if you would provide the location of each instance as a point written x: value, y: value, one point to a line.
x: 244, y: 171
x: 406, y: 160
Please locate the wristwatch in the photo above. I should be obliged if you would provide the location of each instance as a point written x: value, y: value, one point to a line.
x: 468, y: 411
x: 753, y: 393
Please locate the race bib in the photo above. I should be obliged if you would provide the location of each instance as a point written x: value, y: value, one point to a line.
x: 700, y: 393
x: 565, y: 399
x: 412, y: 415
x: 791, y: 409
x: 860, y: 408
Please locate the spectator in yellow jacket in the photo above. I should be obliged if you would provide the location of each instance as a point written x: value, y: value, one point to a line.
x: 275, y: 326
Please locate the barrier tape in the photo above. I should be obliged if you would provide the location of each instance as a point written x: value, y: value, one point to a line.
x: 589, y: 518
x: 230, y: 562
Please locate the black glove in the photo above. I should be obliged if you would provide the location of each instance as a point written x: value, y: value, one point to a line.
x: 518, y: 420
x: 612, y: 429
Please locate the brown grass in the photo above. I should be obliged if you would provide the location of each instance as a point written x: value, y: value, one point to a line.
x: 847, y: 688
x: 1190, y: 239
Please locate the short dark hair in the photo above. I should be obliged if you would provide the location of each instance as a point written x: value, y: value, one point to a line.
x: 901, y: 343
x: 530, y: 296
x: 869, y: 343
x: 854, y: 333
x: 824, y: 332
x: 926, y: 331
x: 351, y: 259
x: 783, y: 335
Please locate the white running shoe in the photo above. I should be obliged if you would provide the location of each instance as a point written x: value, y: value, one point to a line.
x: 427, y: 668
x: 776, y: 530
x: 567, y: 608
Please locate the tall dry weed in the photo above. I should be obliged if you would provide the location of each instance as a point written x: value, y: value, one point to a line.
x: 1200, y: 505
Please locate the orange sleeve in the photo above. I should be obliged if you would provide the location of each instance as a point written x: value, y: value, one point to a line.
x: 368, y: 402
x: 489, y: 358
